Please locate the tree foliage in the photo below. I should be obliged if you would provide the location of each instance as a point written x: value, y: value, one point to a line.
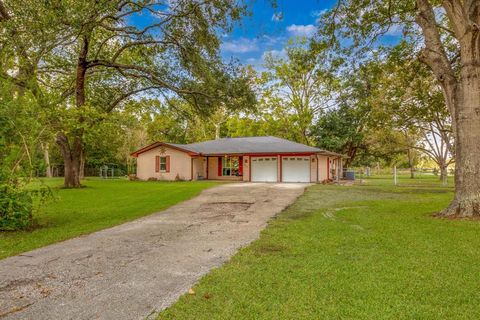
x: 445, y: 37
x: 94, y: 59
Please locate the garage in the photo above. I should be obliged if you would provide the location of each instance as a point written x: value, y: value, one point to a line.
x: 296, y: 169
x: 264, y: 169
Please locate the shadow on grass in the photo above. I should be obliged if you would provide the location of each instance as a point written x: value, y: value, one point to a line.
x: 319, y: 197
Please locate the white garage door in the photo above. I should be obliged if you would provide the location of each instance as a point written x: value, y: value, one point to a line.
x: 295, y: 169
x: 264, y: 169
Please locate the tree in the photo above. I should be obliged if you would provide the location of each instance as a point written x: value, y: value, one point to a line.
x: 345, y: 127
x: 298, y: 83
x: 341, y: 130
x: 107, y: 60
x: 409, y: 99
x: 19, y: 136
x: 450, y: 42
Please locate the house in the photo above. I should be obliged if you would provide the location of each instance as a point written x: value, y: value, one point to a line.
x: 256, y: 159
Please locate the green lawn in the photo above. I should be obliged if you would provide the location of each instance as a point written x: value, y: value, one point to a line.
x: 102, y: 204
x: 372, y: 251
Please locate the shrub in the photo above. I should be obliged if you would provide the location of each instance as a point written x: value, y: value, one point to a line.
x: 18, y: 205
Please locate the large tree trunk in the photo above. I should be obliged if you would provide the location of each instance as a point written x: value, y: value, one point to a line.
x: 444, y: 174
x: 217, y: 131
x: 72, y: 152
x: 462, y: 94
x: 71, y: 159
x: 46, y: 158
x: 82, y: 165
x: 351, y: 153
x: 410, y: 163
x: 466, y: 202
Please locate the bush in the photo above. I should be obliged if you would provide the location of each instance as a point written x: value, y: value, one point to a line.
x: 133, y: 177
x: 18, y: 204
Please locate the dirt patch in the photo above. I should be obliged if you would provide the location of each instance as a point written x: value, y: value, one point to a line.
x: 225, y: 207
x: 19, y: 283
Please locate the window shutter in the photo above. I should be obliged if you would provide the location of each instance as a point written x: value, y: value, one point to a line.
x: 167, y: 164
x: 240, y: 166
x: 219, y: 166
x: 157, y: 163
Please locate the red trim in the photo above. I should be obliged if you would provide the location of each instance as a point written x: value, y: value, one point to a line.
x: 317, y: 167
x: 240, y: 166
x: 167, y: 164
x: 262, y: 154
x: 219, y: 165
x: 158, y: 144
x: 279, y: 154
x: 157, y: 163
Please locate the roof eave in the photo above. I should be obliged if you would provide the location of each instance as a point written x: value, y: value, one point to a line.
x: 158, y: 144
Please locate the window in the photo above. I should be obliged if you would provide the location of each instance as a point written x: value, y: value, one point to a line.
x: 230, y: 166
x: 163, y: 163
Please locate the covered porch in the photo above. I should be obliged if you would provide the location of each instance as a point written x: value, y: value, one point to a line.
x: 218, y: 167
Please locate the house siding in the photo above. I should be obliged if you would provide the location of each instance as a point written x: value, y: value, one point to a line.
x: 313, y: 168
x: 246, y: 168
x: 323, y: 173
x: 180, y: 164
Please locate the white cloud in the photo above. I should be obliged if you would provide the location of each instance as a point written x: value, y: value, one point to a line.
x: 267, y: 40
x: 277, y: 16
x: 277, y: 54
x: 395, y: 30
x: 241, y: 45
x: 302, y: 30
x: 317, y: 14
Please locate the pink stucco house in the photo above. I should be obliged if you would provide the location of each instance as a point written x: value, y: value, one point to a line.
x: 256, y: 159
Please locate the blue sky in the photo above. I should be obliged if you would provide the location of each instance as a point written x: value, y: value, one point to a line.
x: 269, y: 28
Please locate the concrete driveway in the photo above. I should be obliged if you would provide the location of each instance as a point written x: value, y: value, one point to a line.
x: 139, y: 268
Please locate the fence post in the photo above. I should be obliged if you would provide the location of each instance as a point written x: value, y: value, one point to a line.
x: 395, y: 175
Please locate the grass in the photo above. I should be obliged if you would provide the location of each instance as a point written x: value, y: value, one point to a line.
x: 371, y: 251
x: 102, y: 204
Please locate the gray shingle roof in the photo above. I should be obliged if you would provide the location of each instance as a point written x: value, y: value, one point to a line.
x: 249, y: 145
